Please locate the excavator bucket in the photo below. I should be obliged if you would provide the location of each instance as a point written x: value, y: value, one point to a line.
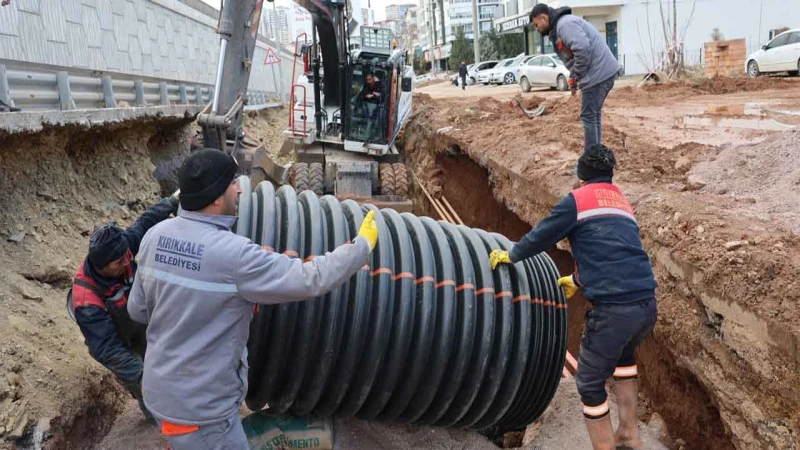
x: 264, y: 168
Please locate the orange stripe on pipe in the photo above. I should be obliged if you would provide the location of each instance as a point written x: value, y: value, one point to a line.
x: 484, y: 291
x: 267, y: 248
x: 445, y: 283
x: 291, y: 253
x: 403, y: 275
x: 382, y: 270
x: 561, y: 306
x: 309, y: 258
x: 421, y: 280
x: 504, y: 294
x: 521, y: 297
x: 465, y: 286
x: 365, y: 267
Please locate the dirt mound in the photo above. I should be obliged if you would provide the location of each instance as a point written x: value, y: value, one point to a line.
x: 760, y: 177
x: 726, y: 85
x: 714, y: 85
x: 57, y: 186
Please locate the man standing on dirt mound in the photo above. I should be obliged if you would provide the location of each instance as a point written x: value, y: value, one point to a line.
x: 196, y: 289
x: 593, y: 68
x: 99, y: 295
x: 616, y: 278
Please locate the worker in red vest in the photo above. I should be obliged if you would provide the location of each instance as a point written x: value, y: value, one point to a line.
x: 99, y: 296
x: 614, y: 273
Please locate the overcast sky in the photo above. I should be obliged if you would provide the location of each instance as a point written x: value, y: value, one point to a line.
x: 378, y: 5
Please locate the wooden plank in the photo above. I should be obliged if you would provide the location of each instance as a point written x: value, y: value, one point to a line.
x: 452, y: 210
x: 433, y: 202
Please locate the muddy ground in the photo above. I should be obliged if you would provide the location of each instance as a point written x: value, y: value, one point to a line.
x: 709, y: 169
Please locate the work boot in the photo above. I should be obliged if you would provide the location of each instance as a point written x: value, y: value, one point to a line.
x: 601, y: 433
x: 627, y: 434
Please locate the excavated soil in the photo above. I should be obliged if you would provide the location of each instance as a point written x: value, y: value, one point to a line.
x: 721, y: 368
x: 57, y: 186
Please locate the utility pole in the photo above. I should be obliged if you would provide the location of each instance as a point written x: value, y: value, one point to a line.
x: 476, y: 46
x: 432, y: 34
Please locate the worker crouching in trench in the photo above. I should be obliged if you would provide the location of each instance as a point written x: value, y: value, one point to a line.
x: 99, y: 295
x: 614, y: 272
x: 196, y: 288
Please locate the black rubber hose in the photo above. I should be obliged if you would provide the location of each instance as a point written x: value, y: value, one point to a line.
x: 425, y: 332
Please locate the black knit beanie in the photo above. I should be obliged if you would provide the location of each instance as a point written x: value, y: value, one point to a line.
x: 598, y: 161
x: 204, y: 176
x: 105, y: 245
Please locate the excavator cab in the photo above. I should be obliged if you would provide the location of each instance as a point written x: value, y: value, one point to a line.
x: 370, y: 104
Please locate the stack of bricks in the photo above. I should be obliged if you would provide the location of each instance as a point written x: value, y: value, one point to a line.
x: 725, y: 57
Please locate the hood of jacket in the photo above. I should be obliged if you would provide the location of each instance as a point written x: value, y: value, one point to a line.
x: 556, y: 15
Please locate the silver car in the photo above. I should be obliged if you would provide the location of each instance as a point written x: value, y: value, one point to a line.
x: 543, y: 70
x: 505, y: 71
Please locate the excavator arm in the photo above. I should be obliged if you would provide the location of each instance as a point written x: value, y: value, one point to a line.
x: 221, y: 120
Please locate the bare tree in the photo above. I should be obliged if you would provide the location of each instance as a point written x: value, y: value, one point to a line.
x: 670, y: 57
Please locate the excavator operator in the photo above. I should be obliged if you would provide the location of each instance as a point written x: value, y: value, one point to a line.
x: 370, y: 93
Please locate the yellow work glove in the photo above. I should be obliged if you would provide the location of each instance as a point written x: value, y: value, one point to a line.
x: 497, y: 257
x: 369, y: 230
x: 570, y: 288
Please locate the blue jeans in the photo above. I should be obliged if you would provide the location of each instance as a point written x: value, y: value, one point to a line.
x: 591, y: 108
x: 608, y: 345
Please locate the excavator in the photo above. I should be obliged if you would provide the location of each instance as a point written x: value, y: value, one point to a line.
x: 346, y: 109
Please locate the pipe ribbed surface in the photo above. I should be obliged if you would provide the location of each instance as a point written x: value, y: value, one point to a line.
x: 427, y: 333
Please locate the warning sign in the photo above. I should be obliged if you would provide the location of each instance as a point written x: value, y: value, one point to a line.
x: 271, y: 58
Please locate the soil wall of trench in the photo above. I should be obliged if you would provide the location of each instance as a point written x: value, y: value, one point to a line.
x: 57, y: 186
x: 697, y: 369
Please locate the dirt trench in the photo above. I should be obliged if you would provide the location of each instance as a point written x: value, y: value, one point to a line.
x: 478, y: 195
x: 58, y: 185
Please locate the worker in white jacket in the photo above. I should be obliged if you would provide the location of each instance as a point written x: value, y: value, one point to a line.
x: 196, y: 286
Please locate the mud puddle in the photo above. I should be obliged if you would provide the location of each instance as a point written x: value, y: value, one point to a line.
x: 747, y: 116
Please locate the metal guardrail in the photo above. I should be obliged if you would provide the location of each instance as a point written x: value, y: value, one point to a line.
x: 47, y: 90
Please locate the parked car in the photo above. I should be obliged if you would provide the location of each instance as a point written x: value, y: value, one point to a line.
x: 454, y: 77
x: 505, y: 73
x: 781, y: 54
x: 485, y: 76
x: 481, y: 71
x: 543, y: 70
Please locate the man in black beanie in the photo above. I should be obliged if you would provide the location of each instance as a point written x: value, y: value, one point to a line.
x: 197, y: 286
x: 615, y: 277
x: 99, y: 295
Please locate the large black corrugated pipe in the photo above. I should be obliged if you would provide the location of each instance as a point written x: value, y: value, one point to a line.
x: 425, y: 333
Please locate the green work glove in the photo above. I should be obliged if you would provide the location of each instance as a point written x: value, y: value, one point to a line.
x: 369, y: 230
x: 497, y: 257
x: 568, y: 283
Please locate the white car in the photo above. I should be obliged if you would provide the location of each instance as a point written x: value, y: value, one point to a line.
x: 543, y: 70
x: 486, y: 76
x: 505, y: 71
x: 480, y: 72
x: 781, y: 54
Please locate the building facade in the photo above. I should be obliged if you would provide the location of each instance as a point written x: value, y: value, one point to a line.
x: 634, y: 31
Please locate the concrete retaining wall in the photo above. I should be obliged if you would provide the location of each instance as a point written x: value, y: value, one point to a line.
x: 168, y: 39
